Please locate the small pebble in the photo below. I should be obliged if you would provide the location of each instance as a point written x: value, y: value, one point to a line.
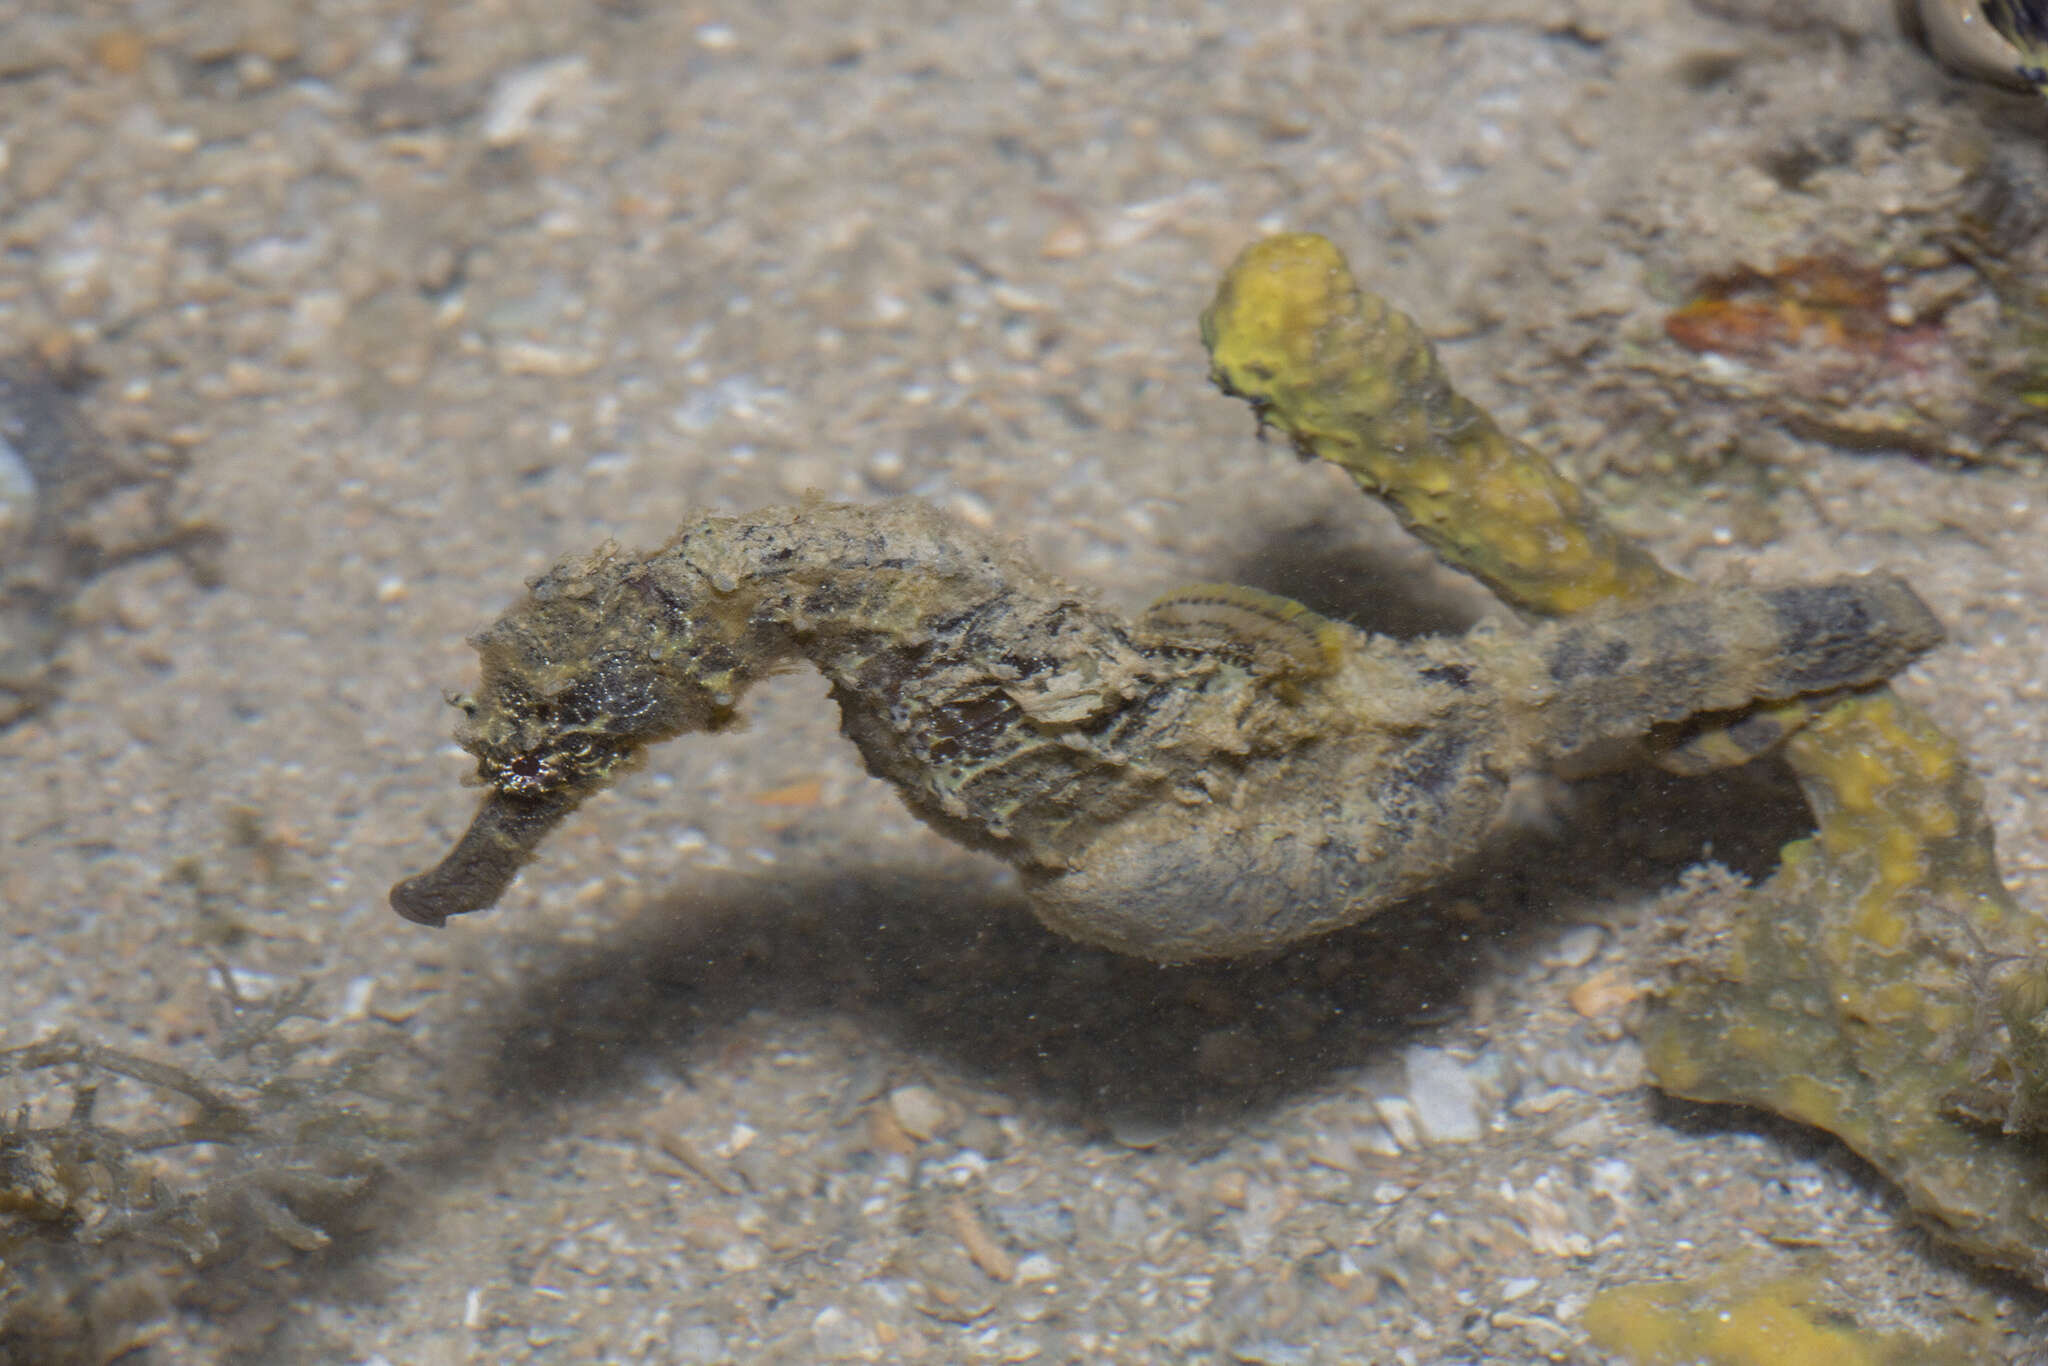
x: 1603, y: 993
x: 1446, y: 1102
x: 972, y: 510
x: 17, y: 492
x: 886, y: 469
x: 697, y: 1345
x: 1375, y: 1139
x: 1399, y: 1118
x: 982, y: 1249
x: 885, y: 1135
x: 518, y: 97
x: 1036, y: 1267
x: 745, y: 1255
x: 1329, y: 1150
x: 121, y: 51
x: 921, y: 1112
x: 840, y: 1336
x: 1576, y: 947
x: 1067, y: 239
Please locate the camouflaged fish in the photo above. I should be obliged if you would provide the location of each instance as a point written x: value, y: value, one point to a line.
x: 1225, y: 774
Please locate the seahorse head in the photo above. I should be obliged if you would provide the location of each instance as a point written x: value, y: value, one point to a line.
x: 582, y: 675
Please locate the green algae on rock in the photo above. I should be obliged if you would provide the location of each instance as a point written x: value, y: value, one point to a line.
x: 1884, y: 985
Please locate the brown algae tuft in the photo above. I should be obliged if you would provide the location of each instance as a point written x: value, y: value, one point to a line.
x: 106, y: 1227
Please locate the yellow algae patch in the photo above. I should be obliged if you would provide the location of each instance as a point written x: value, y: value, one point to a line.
x: 1677, y: 1069
x: 1941, y: 1017
x: 1753, y: 1039
x: 1901, y: 859
x: 1895, y: 1001
x: 1936, y: 821
x: 1896, y: 910
x: 1788, y: 1321
x: 1879, y: 919
x: 1355, y: 382
x: 1810, y: 1102
x: 1900, y: 1032
x: 1857, y: 778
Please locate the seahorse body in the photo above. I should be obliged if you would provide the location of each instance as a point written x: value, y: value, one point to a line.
x: 1228, y: 775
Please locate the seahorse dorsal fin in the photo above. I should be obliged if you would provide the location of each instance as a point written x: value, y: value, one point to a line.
x: 1271, y: 635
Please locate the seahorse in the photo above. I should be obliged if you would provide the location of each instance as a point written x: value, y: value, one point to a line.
x: 1228, y: 774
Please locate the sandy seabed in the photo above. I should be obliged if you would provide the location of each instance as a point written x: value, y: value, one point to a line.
x: 408, y: 301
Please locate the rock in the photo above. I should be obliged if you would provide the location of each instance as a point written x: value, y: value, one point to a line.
x: 518, y: 97
x: 1445, y: 1099
x: 840, y: 1336
x: 921, y: 1112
